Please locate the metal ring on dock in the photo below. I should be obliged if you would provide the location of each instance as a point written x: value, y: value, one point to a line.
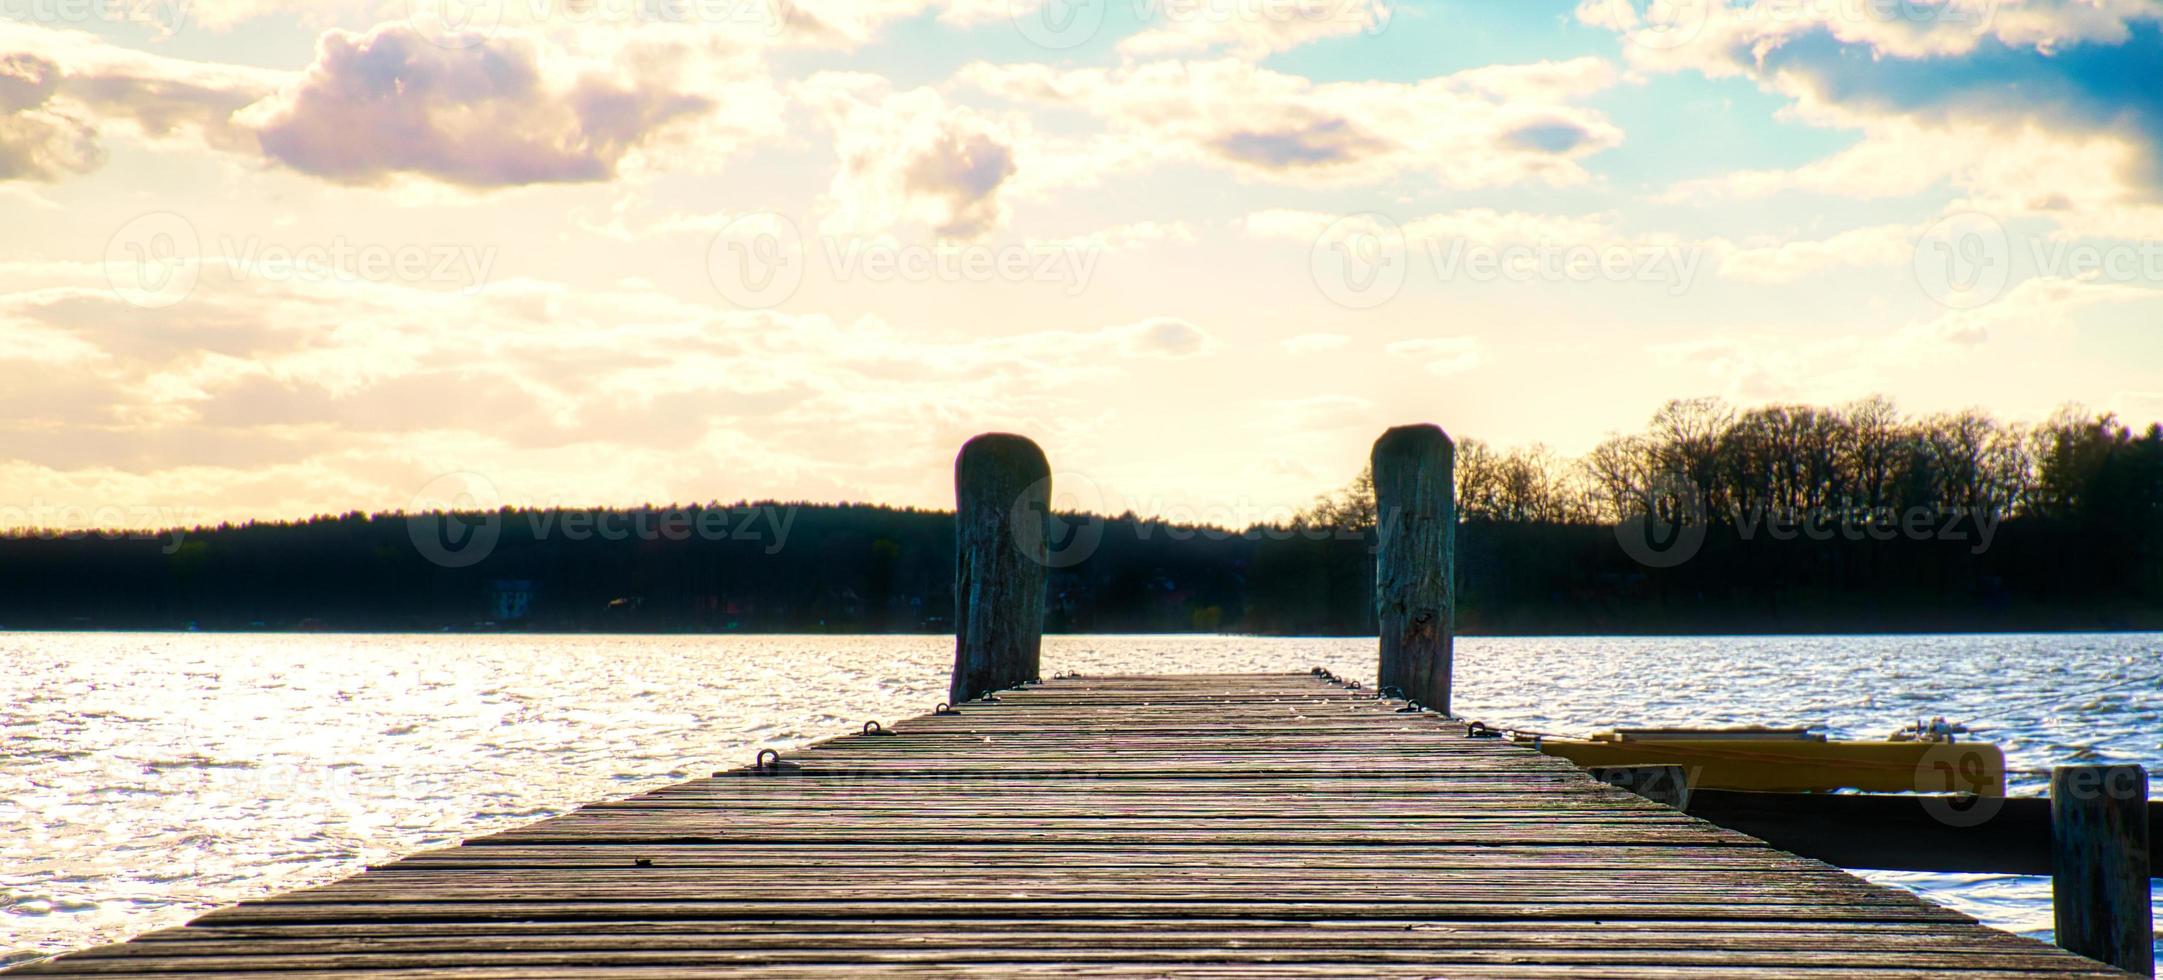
x: 874, y: 728
x: 944, y: 709
x: 768, y: 759
x: 1410, y: 708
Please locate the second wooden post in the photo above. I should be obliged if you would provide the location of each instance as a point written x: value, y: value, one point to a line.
x: 1002, y: 501
x: 1415, y: 504
x: 2099, y: 865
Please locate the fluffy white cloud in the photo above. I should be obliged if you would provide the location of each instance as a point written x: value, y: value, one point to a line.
x: 62, y: 93
x: 910, y: 156
x: 1981, y: 93
x: 1477, y: 128
x: 392, y: 101
x: 37, y: 140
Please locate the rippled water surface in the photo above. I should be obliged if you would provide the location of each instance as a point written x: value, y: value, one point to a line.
x: 148, y: 777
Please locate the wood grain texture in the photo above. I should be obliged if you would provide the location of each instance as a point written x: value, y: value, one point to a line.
x: 1222, y: 826
x: 2099, y: 864
x: 1002, y: 510
x: 1415, y: 506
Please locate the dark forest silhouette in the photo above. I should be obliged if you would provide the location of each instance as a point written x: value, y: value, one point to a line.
x: 1784, y: 518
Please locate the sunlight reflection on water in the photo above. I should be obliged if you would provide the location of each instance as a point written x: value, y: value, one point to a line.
x: 150, y: 777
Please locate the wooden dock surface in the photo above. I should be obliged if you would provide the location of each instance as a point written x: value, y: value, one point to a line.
x: 1189, y: 826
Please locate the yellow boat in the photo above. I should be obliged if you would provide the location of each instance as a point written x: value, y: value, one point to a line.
x: 1921, y: 758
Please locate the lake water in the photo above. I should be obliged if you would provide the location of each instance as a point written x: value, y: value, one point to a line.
x: 146, y: 778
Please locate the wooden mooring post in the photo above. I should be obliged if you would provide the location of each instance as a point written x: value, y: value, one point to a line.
x: 1002, y: 501
x: 1415, y: 504
x: 2099, y: 887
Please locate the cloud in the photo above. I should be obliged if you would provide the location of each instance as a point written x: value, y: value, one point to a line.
x: 1752, y: 371
x: 1939, y: 91
x: 1482, y: 127
x: 63, y: 92
x: 1251, y: 29
x: 1771, y: 365
x: 2036, y: 304
x: 1876, y: 246
x: 390, y: 101
x: 37, y: 141
x: 268, y: 396
x: 1440, y: 355
x: 1162, y: 336
x: 909, y: 156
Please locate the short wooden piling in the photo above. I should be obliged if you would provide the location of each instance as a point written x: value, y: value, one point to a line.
x: 2099, y: 865
x: 1002, y: 492
x: 1415, y: 501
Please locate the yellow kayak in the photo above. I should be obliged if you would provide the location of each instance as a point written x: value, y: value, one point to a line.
x: 1793, y: 760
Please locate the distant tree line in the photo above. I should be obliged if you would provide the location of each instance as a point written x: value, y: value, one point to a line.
x: 1711, y: 519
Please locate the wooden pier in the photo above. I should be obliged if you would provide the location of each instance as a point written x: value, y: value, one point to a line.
x: 1205, y: 826
x: 1163, y: 826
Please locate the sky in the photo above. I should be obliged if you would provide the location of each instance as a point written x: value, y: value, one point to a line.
x: 278, y: 258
